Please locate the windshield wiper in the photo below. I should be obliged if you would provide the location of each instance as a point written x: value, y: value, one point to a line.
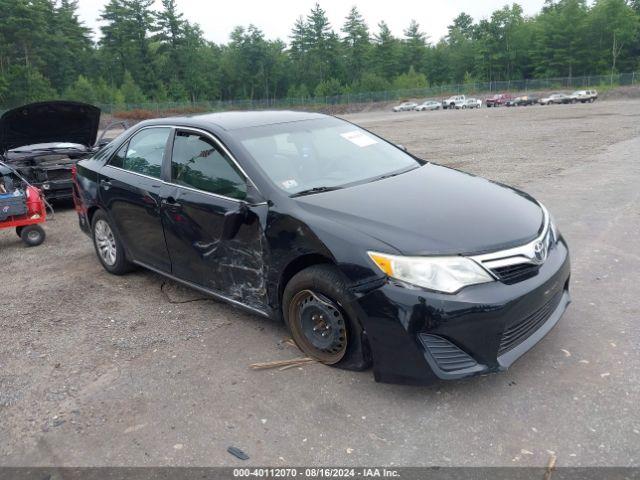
x: 394, y: 174
x: 311, y: 191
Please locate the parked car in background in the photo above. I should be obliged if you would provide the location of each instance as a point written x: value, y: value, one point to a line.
x: 556, y: 98
x: 469, y: 103
x: 584, y: 96
x: 453, y: 101
x: 43, y: 141
x: 312, y: 220
x: 512, y: 102
x: 428, y: 105
x: 527, y: 100
x: 405, y: 107
x: 497, y: 100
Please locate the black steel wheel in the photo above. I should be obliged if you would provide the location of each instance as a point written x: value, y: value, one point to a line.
x: 318, y: 308
x: 318, y: 326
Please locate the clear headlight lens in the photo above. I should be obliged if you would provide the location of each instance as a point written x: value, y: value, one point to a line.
x: 555, y: 234
x: 443, y: 274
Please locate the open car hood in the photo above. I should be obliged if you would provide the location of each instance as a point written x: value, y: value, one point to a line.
x: 47, y: 122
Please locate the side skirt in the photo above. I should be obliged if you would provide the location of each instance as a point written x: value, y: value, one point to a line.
x: 206, y: 291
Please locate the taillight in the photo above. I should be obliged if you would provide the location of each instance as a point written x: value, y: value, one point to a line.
x: 74, y: 172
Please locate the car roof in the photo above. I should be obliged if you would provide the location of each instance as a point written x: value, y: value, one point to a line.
x: 237, y: 120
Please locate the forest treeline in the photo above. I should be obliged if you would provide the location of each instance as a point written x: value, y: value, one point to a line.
x: 146, y: 55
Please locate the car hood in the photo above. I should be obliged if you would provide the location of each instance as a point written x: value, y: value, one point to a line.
x: 48, y: 122
x: 433, y: 210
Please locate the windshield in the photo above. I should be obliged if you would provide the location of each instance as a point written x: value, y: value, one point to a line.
x: 317, y: 154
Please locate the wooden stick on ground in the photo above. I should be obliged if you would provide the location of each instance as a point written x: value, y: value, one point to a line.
x: 281, y: 363
x: 551, y: 466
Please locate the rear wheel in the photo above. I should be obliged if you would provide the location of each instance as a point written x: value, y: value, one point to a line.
x: 317, y: 309
x: 108, y: 247
x: 32, y: 235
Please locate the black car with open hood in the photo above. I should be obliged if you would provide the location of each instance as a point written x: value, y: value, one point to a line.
x: 44, y: 140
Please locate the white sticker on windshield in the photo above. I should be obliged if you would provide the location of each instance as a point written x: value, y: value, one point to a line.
x: 289, y: 184
x: 359, y: 138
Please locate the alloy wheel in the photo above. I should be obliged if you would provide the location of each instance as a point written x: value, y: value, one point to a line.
x: 106, y: 242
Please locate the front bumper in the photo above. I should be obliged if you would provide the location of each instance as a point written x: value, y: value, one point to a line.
x: 56, y: 189
x: 418, y: 337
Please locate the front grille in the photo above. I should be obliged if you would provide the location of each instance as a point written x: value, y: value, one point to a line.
x: 518, y: 332
x: 448, y: 357
x: 511, y: 274
x: 59, y: 174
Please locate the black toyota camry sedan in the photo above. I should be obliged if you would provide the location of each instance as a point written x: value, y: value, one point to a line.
x: 370, y: 255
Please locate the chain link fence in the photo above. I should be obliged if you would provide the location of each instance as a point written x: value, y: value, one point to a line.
x: 441, y: 91
x: 436, y: 92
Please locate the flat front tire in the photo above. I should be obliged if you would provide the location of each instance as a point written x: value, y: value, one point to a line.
x: 108, y: 247
x: 317, y: 309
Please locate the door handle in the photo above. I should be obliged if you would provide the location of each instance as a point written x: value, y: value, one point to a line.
x: 105, y: 184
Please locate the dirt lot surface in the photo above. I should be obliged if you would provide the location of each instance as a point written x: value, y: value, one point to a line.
x: 103, y: 370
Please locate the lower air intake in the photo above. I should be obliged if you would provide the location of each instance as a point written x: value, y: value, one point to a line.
x: 448, y: 357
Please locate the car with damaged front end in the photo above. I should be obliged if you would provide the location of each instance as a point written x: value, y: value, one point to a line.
x: 370, y: 255
x: 43, y: 141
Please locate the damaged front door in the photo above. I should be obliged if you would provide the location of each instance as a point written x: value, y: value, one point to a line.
x: 214, y: 237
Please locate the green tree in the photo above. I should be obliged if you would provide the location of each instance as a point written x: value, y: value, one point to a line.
x: 460, y: 47
x: 560, y: 47
x: 614, y: 27
x: 125, y: 42
x: 82, y: 90
x: 324, y: 48
x: 370, y: 82
x: 69, y: 49
x: 26, y: 84
x: 410, y: 80
x: 357, y: 45
x: 131, y: 92
x: 328, y: 88
x: 414, y: 46
x: 386, y: 53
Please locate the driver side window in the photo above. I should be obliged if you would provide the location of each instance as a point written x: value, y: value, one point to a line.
x: 199, y: 163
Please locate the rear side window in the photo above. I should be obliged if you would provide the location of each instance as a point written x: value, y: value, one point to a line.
x: 199, y: 163
x: 144, y: 152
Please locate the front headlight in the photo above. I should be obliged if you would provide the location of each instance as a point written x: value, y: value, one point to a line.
x: 555, y: 234
x: 443, y: 274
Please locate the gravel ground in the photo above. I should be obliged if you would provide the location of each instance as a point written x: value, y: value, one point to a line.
x: 101, y: 370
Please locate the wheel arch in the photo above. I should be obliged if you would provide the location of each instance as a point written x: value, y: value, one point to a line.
x: 295, y: 266
x: 91, y: 211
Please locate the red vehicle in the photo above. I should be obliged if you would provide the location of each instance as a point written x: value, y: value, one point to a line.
x: 498, y: 100
x: 22, y: 206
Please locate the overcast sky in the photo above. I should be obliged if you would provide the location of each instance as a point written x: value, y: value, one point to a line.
x: 276, y: 17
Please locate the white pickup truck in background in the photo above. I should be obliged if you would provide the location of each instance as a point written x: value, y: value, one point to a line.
x: 453, y: 102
